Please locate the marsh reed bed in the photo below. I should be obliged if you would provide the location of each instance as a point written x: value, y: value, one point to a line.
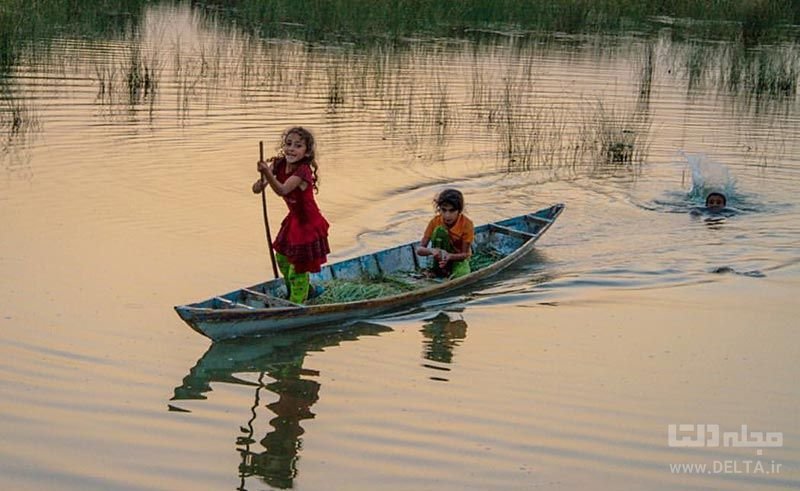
x: 388, y: 63
x: 750, y: 20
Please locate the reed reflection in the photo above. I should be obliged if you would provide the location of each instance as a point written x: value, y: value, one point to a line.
x: 19, y: 121
x: 280, y: 358
x: 180, y: 64
x: 442, y: 335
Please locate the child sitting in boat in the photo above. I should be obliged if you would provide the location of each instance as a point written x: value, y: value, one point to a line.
x: 716, y: 201
x: 301, y: 245
x: 448, y: 236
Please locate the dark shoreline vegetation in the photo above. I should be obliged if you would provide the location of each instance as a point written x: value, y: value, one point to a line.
x: 358, y: 20
x: 353, y: 20
x: 757, y: 59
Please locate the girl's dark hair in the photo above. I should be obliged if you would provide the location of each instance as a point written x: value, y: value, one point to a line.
x: 452, y: 197
x: 311, y: 148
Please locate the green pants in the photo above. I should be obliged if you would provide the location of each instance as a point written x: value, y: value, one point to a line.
x: 296, y: 283
x: 440, y: 239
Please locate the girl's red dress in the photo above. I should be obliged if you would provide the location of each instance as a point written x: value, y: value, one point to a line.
x: 303, y: 237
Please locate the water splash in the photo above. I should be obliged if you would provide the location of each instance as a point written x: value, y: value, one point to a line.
x: 701, y: 177
x: 707, y: 177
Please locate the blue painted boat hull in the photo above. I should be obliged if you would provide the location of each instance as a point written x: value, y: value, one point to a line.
x: 260, y: 309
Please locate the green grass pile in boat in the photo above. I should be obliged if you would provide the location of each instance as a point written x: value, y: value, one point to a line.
x: 337, y: 291
x: 483, y: 258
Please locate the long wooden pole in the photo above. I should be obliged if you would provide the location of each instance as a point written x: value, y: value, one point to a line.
x: 266, y: 217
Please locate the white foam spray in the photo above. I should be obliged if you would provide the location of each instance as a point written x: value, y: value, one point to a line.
x: 708, y: 177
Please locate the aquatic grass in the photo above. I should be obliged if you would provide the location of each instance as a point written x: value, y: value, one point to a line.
x: 377, y: 73
x: 537, y: 135
x: 439, y: 113
x: 559, y: 139
x: 18, y: 115
x: 732, y: 71
x: 646, y: 73
x: 535, y: 139
x: 484, y: 257
x: 25, y: 21
x: 360, y: 20
x: 759, y: 18
x: 9, y: 41
x: 748, y: 21
x: 19, y: 120
x: 774, y: 73
x: 758, y: 76
x: 366, y: 21
x: 13, y: 114
x: 419, y: 109
x: 131, y: 76
x: 339, y: 291
x: 696, y: 62
x: 517, y: 133
x: 335, y: 86
x: 770, y: 147
x: 533, y: 134
x: 522, y: 125
x: 616, y: 136
x: 105, y: 76
x: 139, y: 75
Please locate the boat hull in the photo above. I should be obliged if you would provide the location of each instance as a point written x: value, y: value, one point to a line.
x: 223, y: 317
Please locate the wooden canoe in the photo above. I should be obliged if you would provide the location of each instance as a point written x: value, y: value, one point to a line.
x: 262, y: 308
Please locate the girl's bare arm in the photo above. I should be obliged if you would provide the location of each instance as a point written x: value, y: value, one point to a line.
x: 282, y: 189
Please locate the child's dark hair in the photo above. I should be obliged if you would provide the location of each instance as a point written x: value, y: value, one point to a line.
x: 311, y: 148
x: 452, y: 197
x: 716, y: 194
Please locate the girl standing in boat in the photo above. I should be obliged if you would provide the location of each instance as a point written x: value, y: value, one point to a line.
x: 448, y: 236
x: 301, y: 245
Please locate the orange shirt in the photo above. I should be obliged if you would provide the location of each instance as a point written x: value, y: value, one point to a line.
x: 463, y: 231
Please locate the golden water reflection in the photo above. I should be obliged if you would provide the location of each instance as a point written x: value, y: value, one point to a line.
x: 442, y: 335
x: 278, y: 358
x: 178, y: 66
x: 289, y: 389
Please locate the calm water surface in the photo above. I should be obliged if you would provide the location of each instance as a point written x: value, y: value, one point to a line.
x: 120, y: 200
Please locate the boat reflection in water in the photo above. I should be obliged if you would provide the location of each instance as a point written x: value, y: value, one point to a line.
x: 441, y: 336
x: 278, y: 362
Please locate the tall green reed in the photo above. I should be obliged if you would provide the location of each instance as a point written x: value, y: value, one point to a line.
x: 617, y: 136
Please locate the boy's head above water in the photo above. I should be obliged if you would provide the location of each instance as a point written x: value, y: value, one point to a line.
x: 715, y: 201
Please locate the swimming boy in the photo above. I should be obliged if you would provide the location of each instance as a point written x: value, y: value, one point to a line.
x: 716, y: 201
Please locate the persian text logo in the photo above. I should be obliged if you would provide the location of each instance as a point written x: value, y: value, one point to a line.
x: 708, y: 435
